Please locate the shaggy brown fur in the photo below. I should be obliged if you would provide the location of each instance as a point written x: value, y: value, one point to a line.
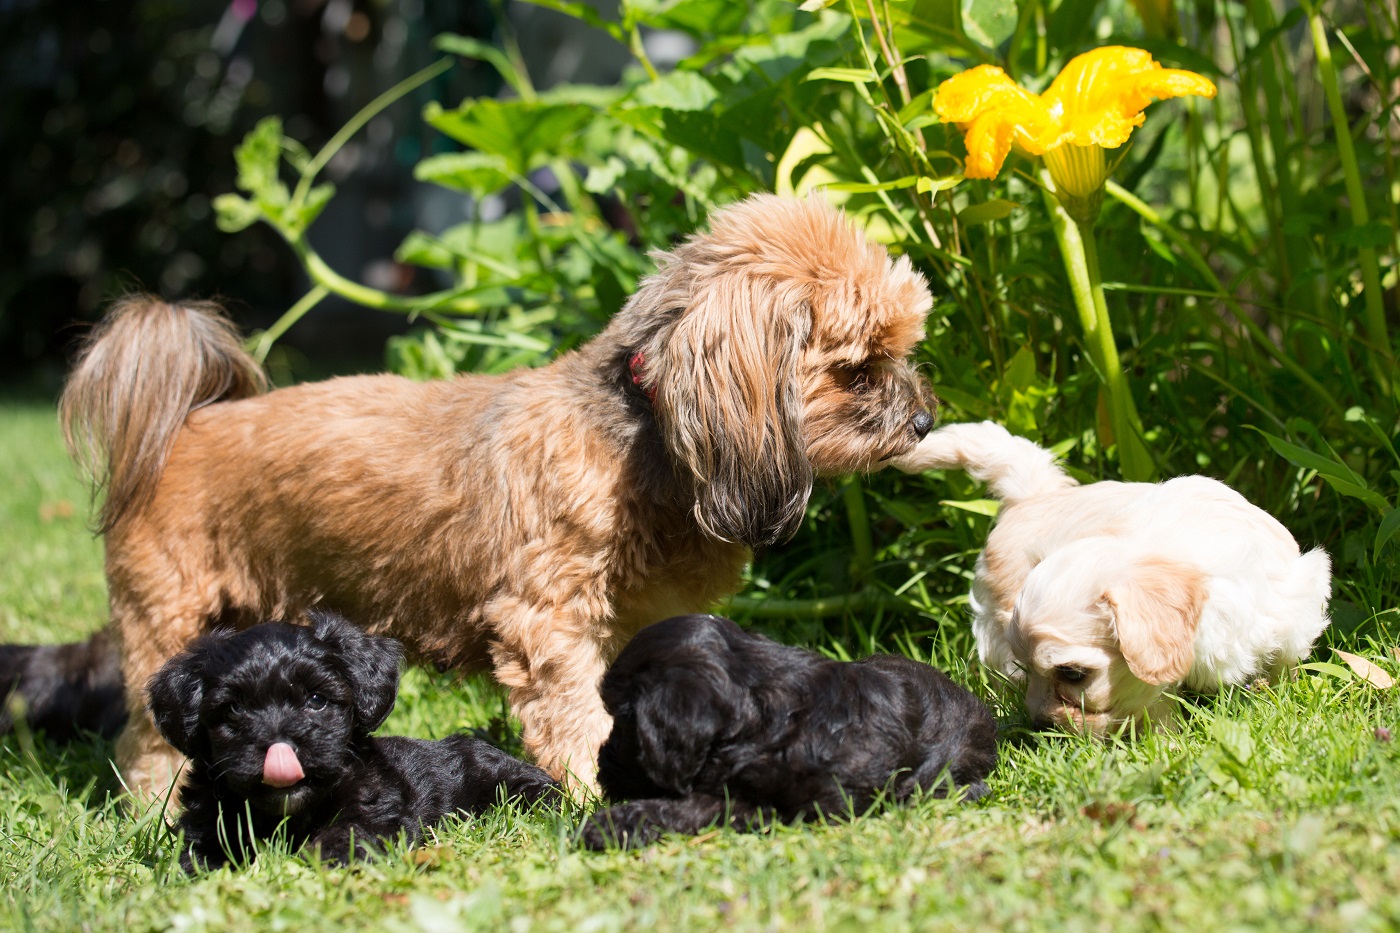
x: 531, y: 521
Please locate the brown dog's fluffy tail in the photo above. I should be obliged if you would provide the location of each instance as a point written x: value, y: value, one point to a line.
x: 143, y: 370
x: 1013, y: 467
x: 62, y: 690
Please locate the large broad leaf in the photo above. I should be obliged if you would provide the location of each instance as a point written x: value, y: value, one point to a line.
x: 701, y: 18
x: 679, y: 90
x: 989, y: 22
x: 523, y: 133
x: 936, y: 18
x: 1336, y: 474
x: 734, y: 116
x: 1390, y: 524
x: 477, y: 173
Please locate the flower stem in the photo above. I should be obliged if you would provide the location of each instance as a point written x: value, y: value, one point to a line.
x: 261, y: 344
x: 1079, y: 250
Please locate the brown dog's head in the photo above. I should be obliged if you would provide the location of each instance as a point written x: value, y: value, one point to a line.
x: 1102, y: 632
x: 776, y: 348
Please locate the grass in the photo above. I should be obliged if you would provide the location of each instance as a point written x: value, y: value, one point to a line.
x: 1270, y: 809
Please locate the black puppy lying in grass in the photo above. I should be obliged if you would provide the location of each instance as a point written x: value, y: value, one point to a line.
x: 276, y: 722
x: 716, y: 726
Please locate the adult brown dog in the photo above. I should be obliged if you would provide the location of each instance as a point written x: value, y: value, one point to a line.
x: 531, y: 521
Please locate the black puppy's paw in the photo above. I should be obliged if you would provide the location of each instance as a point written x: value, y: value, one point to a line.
x: 626, y: 826
x: 340, y: 845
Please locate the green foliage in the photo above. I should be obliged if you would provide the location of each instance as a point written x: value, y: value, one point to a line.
x: 1243, y: 281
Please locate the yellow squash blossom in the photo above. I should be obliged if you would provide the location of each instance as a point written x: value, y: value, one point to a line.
x: 1094, y: 104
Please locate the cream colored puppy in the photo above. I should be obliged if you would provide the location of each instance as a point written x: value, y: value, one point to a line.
x: 1105, y: 598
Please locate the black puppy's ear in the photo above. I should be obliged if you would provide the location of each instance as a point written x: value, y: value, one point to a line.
x: 678, y: 720
x: 174, y: 696
x: 370, y: 663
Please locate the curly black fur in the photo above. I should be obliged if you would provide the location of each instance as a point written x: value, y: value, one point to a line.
x: 716, y: 726
x: 321, y: 689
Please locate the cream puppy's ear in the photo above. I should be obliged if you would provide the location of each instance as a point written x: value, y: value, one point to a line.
x: 1156, y: 611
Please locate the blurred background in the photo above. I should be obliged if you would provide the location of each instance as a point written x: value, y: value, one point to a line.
x: 118, y: 124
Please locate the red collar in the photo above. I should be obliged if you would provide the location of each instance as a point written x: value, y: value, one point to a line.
x: 635, y: 365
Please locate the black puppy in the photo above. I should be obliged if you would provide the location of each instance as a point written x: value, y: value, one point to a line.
x: 276, y: 722
x: 716, y: 726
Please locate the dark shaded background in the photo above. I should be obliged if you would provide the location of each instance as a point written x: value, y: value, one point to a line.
x: 118, y: 122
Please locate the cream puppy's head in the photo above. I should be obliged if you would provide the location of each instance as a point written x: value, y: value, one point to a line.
x: 1102, y: 631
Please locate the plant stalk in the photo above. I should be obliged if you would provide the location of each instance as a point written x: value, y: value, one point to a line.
x: 1080, y: 254
x: 1381, y: 357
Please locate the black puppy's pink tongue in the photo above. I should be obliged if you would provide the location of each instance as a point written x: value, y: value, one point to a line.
x: 281, y: 767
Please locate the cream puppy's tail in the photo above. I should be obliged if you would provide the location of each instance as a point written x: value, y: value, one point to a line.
x: 1013, y: 467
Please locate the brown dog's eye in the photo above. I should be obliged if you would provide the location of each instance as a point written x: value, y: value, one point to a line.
x: 316, y: 702
x: 1070, y: 675
x: 855, y: 379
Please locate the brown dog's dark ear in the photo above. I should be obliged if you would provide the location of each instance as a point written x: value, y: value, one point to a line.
x: 1156, y: 612
x: 729, y: 402
x: 176, y: 693
x: 370, y: 663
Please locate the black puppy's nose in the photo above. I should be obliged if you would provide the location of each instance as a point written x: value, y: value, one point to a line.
x: 922, y: 423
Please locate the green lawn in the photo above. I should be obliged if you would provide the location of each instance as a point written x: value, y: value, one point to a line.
x: 1273, y: 809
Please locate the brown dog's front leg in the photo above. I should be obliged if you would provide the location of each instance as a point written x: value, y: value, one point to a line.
x: 149, y: 767
x: 553, y: 679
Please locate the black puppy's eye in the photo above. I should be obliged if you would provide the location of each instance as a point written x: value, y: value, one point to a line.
x: 1070, y: 675
x: 316, y: 702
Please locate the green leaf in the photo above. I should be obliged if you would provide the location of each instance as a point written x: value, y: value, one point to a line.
x: 704, y: 19
x: 1353, y: 491
x: 987, y: 211
x: 938, y: 18
x: 934, y: 185
x: 988, y: 507
x: 989, y: 22
x: 420, y: 249
x: 233, y: 213
x: 846, y: 75
x: 919, y: 105
x: 523, y: 133
x: 1390, y: 524
x: 478, y: 173
x: 316, y: 200
x: 1328, y: 668
x: 1338, y: 475
x: 1157, y: 244
x: 585, y: 13
x: 860, y: 187
x: 679, y: 90
x: 257, y: 158
x: 1020, y: 372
